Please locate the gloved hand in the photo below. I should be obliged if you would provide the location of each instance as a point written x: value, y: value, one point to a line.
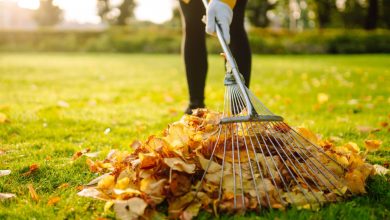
x: 224, y: 15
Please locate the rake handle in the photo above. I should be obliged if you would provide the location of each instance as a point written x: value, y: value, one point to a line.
x: 232, y: 62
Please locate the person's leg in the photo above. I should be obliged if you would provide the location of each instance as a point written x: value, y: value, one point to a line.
x: 194, y: 51
x: 239, y: 43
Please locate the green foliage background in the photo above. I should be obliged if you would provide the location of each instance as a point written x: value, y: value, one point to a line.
x: 161, y: 39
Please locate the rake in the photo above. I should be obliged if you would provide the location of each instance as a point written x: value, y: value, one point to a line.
x: 257, y: 161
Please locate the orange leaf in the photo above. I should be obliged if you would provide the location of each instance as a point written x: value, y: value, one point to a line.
x: 33, y: 193
x: 33, y: 167
x: 53, y: 200
x: 372, y: 145
x: 64, y: 185
x: 80, y: 153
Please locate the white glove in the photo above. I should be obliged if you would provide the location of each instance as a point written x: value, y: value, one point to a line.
x: 224, y: 15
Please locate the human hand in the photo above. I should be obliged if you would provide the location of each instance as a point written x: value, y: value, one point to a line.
x: 218, y: 11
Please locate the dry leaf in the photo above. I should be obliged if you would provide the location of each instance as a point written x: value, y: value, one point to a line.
x: 62, y: 186
x: 380, y: 170
x: 53, y: 200
x: 3, y: 118
x: 5, y: 172
x: 4, y: 196
x: 93, y: 193
x: 179, y: 165
x: 32, y: 168
x: 372, y: 145
x: 322, y: 98
x: 78, y: 154
x: 33, y: 194
x: 130, y: 209
x: 63, y: 104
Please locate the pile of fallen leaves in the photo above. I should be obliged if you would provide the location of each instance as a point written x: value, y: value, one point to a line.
x: 169, y: 169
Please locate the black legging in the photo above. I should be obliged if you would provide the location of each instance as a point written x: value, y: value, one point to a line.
x: 194, y: 46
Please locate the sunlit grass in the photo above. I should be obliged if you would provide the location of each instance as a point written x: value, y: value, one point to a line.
x: 58, y: 104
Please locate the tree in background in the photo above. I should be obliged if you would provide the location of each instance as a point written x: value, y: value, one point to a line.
x: 353, y: 13
x: 372, y: 15
x: 117, y: 15
x: 324, y: 11
x: 257, y: 12
x: 48, y: 14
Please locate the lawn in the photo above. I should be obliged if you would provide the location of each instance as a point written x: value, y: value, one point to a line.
x: 58, y: 104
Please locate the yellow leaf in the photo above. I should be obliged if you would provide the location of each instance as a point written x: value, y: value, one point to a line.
x: 33, y: 193
x: 3, y: 118
x: 352, y: 147
x: 372, y: 145
x: 122, y: 183
x: 107, y: 182
x: 322, y: 98
x: 53, y: 200
x: 355, y: 181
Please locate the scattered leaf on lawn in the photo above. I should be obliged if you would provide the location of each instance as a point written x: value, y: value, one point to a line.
x: 3, y: 118
x: 380, y: 170
x: 53, y: 200
x: 322, y: 98
x: 63, y: 104
x: 5, y: 172
x: 78, y: 154
x: 372, y: 145
x: 33, y: 193
x: 364, y: 128
x: 62, y: 186
x: 6, y: 196
x: 33, y: 167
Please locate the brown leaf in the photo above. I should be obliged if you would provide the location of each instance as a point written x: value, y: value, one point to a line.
x: 53, y: 200
x: 33, y: 193
x: 33, y: 167
x: 78, y: 154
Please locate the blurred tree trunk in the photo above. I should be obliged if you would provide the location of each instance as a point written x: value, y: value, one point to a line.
x: 126, y: 11
x: 118, y: 15
x: 48, y: 14
x: 257, y: 12
x: 385, y: 15
x: 324, y: 10
x: 103, y: 9
x: 372, y: 14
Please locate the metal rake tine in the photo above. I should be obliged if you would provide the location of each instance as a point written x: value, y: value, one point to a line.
x: 259, y: 168
x: 250, y: 164
x: 320, y: 163
x: 277, y: 168
x: 314, y: 145
x: 311, y: 169
x: 293, y: 164
x: 288, y: 169
x: 273, y: 160
x: 209, y: 163
x: 239, y: 159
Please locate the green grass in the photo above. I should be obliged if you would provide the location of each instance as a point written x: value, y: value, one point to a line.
x: 138, y: 95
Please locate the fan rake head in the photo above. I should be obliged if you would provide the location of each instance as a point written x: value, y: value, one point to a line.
x: 257, y: 161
